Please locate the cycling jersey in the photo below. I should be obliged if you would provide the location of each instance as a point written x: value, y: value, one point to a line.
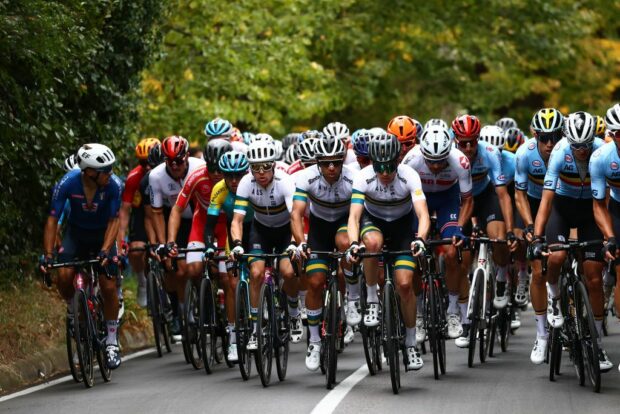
x: 350, y: 157
x: 530, y: 169
x: 223, y: 200
x: 388, y: 202
x: 605, y: 168
x: 165, y: 189
x: 294, y: 167
x: 132, y: 184
x: 457, y: 170
x: 282, y: 166
x: 562, y: 173
x: 354, y: 166
x: 272, y: 205
x: 197, y: 187
x: 84, y: 215
x: 487, y: 167
x: 328, y: 202
x: 508, y: 166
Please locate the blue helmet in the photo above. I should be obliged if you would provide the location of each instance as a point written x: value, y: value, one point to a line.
x: 419, y: 128
x: 360, y: 139
x: 233, y: 162
x: 248, y: 137
x: 218, y: 128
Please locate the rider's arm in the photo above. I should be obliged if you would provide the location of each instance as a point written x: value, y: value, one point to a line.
x: 521, y: 185
x: 49, y: 235
x: 174, y: 221
x: 236, y: 227
x: 551, y: 178
x: 424, y: 221
x: 353, y: 225
x: 123, y: 215
x: 466, y: 210
x: 297, y: 220
x: 148, y: 225
x: 414, y: 185
x: 242, y: 203
x: 110, y: 234
x: 499, y: 179
x: 523, y: 207
x: 505, y: 204
x: 598, y: 184
x: 543, y: 212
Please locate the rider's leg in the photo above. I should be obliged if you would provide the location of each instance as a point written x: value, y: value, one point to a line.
x: 403, y: 278
x: 373, y: 240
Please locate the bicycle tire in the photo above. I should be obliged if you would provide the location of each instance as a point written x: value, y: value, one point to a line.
x: 264, y: 331
x: 554, y: 351
x: 485, y: 334
x: 206, y: 325
x: 283, y: 338
x: 243, y: 328
x: 154, y: 303
x: 588, y: 336
x: 492, y: 333
x: 101, y: 331
x: 476, y: 298
x: 331, y: 334
x: 391, y: 323
x: 72, y: 353
x: 504, y: 328
x: 432, y: 327
x: 368, y: 334
x: 190, y: 325
x: 441, y: 341
x: 83, y: 338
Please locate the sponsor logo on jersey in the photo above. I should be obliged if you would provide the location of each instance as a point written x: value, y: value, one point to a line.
x: 531, y: 146
x: 417, y: 192
x: 536, y: 163
x: 501, y: 178
x: 90, y: 207
x: 537, y: 171
x: 464, y: 162
x: 614, y: 165
x: 490, y: 149
x: 568, y: 158
x: 548, y: 183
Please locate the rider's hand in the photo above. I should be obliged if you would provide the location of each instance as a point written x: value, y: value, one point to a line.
x: 172, y: 249
x: 476, y: 231
x: 352, y: 251
x: 512, y: 241
x: 610, y: 248
x: 210, y: 251
x: 303, y: 251
x: 529, y: 232
x: 418, y: 247
x: 103, y: 258
x: 45, y: 261
x: 537, y: 249
x: 237, y: 251
x: 458, y: 237
x: 124, y: 250
x: 291, y: 251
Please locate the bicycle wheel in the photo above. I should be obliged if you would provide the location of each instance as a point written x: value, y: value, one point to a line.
x: 476, y: 309
x: 264, y: 330
x: 206, y: 325
x: 331, y: 323
x: 101, y: 332
x: 190, y: 327
x: 490, y: 323
x: 441, y: 331
x: 165, y: 310
x: 283, y: 337
x: 243, y: 328
x: 369, y: 338
x: 154, y: 303
x: 492, y: 332
x: 433, y: 326
x: 72, y: 356
x: 83, y: 339
x: 504, y: 327
x: 588, y: 336
x: 391, y: 334
x: 554, y: 353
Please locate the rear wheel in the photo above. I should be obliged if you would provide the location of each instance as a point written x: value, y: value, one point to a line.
x: 368, y: 334
x: 391, y: 334
x: 554, y: 353
x: 155, y: 309
x: 476, y: 310
x: 283, y: 337
x: 264, y: 333
x: 192, y: 316
x: 101, y: 331
x: 83, y: 338
x: 243, y: 328
x: 588, y: 336
x: 331, y: 334
x: 433, y: 328
x: 206, y: 325
x: 72, y: 356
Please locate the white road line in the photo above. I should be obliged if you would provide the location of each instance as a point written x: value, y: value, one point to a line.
x: 67, y: 378
x: 329, y: 403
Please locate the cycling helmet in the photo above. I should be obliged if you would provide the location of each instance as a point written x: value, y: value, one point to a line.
x: 144, y: 146
x: 213, y: 151
x: 96, y: 156
x: 290, y: 156
x: 600, y: 126
x: 360, y: 144
x: 247, y: 137
x: 336, y: 130
x: 261, y: 137
x: 436, y: 122
x: 174, y: 147
x: 466, y: 126
x: 493, y: 135
x: 419, y: 127
x: 547, y: 120
x: 377, y: 131
x: 155, y: 156
x: 513, y: 138
x: 233, y: 162
x: 290, y: 139
x: 329, y: 146
x: 218, y: 128
x: 71, y: 163
x: 435, y: 143
x: 612, y: 118
x: 305, y: 150
x: 311, y: 134
x: 403, y: 127
x: 261, y: 151
x: 236, y: 135
x: 279, y: 149
x: 579, y: 128
x: 384, y: 148
x: 506, y: 123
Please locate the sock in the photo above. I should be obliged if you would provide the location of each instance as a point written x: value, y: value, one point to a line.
x: 232, y: 335
x: 541, y: 327
x: 599, y: 329
x: 293, y: 306
x: 254, y: 317
x: 141, y: 279
x: 174, y: 303
x: 453, y: 303
x: 112, y: 327
x: 523, y: 275
x: 419, y: 306
x: 371, y: 291
x: 554, y: 289
x: 302, y: 298
x: 314, y: 321
x: 501, y: 273
x: 464, y: 319
x: 353, y: 286
x: 410, y: 337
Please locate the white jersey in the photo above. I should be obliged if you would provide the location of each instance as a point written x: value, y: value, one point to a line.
x: 239, y: 146
x: 354, y: 166
x: 388, y: 202
x: 282, y: 166
x: 327, y: 201
x: 350, y: 158
x: 272, y: 204
x: 165, y: 189
x: 457, y: 170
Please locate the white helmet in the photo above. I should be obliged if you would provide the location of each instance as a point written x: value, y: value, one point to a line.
x: 376, y: 131
x: 494, y: 135
x: 96, y: 156
x: 336, y: 130
x: 329, y: 146
x: 435, y: 143
x: 435, y: 122
x: 279, y: 149
x: 261, y: 151
x: 305, y: 150
x: 290, y: 156
x: 506, y: 123
x: 612, y: 118
x: 71, y: 163
x: 579, y: 128
x: 261, y: 137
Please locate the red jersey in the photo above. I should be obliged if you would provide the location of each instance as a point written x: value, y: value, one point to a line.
x: 197, y: 187
x: 132, y: 185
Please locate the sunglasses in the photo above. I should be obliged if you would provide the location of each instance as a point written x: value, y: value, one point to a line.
x: 465, y: 144
x: 104, y: 170
x: 175, y: 161
x: 329, y: 163
x: 384, y: 167
x: 614, y: 134
x: 234, y: 176
x: 580, y: 147
x: 435, y: 162
x: 262, y: 167
x: 407, y: 144
x: 552, y: 136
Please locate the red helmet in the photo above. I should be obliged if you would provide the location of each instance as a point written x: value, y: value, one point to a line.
x: 174, y: 147
x: 466, y: 126
x: 403, y: 127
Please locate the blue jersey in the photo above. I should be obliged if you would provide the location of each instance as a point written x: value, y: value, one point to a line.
x: 605, y: 169
x: 487, y: 167
x: 88, y: 216
x: 530, y: 169
x: 508, y: 166
x: 562, y: 174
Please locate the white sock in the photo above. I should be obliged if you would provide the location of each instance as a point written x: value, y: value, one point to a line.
x: 554, y: 289
x: 293, y: 310
x: 463, y: 308
x: 453, y: 299
x: 314, y: 333
x: 314, y: 316
x: 112, y: 328
x: 371, y: 291
x: 501, y: 273
x: 541, y: 327
x: 523, y: 275
x: 302, y: 298
x: 419, y: 305
x: 599, y: 330
x: 353, y: 291
x: 410, y: 337
x: 232, y: 335
x: 141, y: 279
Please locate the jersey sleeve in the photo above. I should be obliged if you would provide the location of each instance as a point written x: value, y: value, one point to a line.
x: 414, y: 184
x: 358, y: 191
x: 301, y: 187
x: 460, y: 164
x: 288, y: 189
x: 116, y: 188
x: 59, y: 197
x: 132, y: 184
x: 242, y: 198
x: 187, y: 191
x: 218, y: 197
x: 157, y: 198
x: 553, y: 170
x: 521, y: 169
x: 496, y: 172
x: 597, y: 169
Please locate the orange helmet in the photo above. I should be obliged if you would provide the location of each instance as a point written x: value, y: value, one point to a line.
x: 403, y: 127
x: 144, y: 146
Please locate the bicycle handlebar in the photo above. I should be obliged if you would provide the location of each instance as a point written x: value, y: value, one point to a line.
x: 74, y: 264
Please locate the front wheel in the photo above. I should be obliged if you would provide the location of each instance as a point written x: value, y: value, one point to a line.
x: 391, y: 334
x: 476, y: 313
x: 588, y: 336
x: 330, y: 327
x: 370, y: 339
x: 83, y: 338
x: 191, y: 318
x: 243, y: 329
x: 72, y: 353
x: 283, y: 334
x: 206, y: 325
x: 264, y: 333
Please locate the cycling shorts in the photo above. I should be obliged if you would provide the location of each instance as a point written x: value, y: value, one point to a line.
x: 446, y: 205
x: 83, y: 244
x: 137, y: 230
x: 197, y: 234
x: 486, y: 209
x: 568, y: 213
x: 397, y: 235
x: 322, y: 237
x: 614, y: 211
x: 265, y: 239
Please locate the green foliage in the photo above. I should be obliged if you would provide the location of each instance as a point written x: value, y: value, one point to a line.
x: 68, y: 74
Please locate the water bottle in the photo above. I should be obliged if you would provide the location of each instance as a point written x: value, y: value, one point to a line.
x: 268, y: 276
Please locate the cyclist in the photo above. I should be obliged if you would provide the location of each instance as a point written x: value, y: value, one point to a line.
x: 601, y: 127
x: 384, y: 199
x: 567, y: 190
x: 326, y: 188
x: 405, y: 129
x: 446, y: 182
x: 436, y: 122
x: 531, y: 166
x: 506, y: 123
x: 270, y: 193
x: 492, y: 204
x: 94, y: 194
x: 132, y: 204
x: 305, y: 151
x: 166, y: 182
x: 154, y: 158
x: 360, y: 139
x: 513, y: 139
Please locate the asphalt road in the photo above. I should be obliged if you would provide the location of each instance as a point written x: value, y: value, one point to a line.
x: 508, y: 383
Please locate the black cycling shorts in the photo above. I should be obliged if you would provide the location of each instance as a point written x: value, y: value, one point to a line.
x: 183, y: 234
x: 137, y: 230
x: 486, y: 209
x: 614, y: 211
x: 265, y: 239
x: 322, y: 233
x: 568, y: 213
